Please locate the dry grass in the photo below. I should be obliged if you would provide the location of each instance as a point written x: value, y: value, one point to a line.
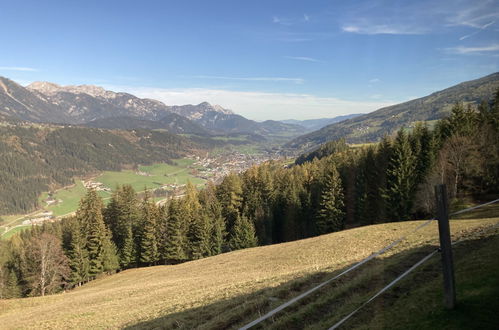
x: 186, y: 295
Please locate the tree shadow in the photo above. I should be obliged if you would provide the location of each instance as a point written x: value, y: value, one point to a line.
x: 322, y: 308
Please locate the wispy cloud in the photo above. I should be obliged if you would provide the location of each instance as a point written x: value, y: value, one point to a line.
x: 260, y: 105
x: 303, y: 58
x: 287, y: 21
x: 476, y: 32
x: 473, y: 50
x: 273, y: 79
x: 372, y: 29
x: 375, y: 80
x: 418, y: 17
x: 17, y: 68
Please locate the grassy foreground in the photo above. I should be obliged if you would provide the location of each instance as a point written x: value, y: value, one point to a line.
x: 228, y: 290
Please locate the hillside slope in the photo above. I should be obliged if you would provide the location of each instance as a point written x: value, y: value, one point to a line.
x: 224, y: 291
x: 372, y: 126
x: 36, y: 158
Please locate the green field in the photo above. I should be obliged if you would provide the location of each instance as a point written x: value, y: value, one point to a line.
x: 70, y: 197
x: 13, y: 231
x: 152, y: 177
x: 157, y: 176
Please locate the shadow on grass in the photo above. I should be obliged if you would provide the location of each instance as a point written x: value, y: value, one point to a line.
x: 417, y: 293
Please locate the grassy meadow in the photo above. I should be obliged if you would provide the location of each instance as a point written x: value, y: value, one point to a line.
x: 152, y: 177
x: 228, y: 290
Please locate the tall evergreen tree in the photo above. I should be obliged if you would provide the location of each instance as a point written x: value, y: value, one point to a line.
x: 400, y: 190
x: 331, y: 216
x: 175, y: 233
x: 149, y: 239
x: 97, y: 238
x: 77, y: 254
x: 243, y: 234
x: 122, y: 217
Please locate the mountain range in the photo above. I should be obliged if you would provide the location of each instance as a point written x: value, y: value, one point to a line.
x: 94, y: 106
x: 372, y: 126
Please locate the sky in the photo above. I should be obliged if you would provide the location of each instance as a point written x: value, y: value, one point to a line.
x: 262, y: 59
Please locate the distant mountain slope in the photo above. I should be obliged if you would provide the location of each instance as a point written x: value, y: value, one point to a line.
x: 96, y: 107
x: 315, y: 124
x: 219, y: 120
x: 172, y: 122
x: 372, y: 126
x: 19, y: 103
x: 34, y: 159
x: 86, y: 103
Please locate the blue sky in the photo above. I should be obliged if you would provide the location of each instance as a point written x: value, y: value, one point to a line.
x: 263, y: 59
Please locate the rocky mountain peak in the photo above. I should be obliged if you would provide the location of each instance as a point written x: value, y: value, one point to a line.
x: 44, y: 87
x: 48, y: 88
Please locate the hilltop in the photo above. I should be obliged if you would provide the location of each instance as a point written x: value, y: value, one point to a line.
x: 228, y: 290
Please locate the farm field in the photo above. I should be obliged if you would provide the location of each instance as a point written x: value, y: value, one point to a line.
x: 153, y: 176
x: 229, y: 290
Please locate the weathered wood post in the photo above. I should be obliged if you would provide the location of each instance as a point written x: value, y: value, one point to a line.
x: 445, y: 245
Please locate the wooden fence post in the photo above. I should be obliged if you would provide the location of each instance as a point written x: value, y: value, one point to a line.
x: 445, y: 245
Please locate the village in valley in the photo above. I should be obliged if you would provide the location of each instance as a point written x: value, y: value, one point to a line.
x: 199, y: 169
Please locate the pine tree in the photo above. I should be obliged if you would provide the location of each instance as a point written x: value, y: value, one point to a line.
x: 243, y: 234
x: 12, y: 289
x: 97, y: 239
x: 77, y: 254
x: 331, y: 216
x: 175, y: 234
x: 149, y: 242
x: 110, y: 261
x: 400, y: 190
x: 229, y: 193
x: 122, y: 216
x: 213, y: 211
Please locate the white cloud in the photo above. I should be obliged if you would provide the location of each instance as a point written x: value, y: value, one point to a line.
x: 306, y: 18
x: 371, y: 29
x: 303, y: 58
x: 473, y: 50
x: 17, y: 68
x: 375, y: 80
x: 418, y: 17
x: 259, y: 105
x: 273, y: 79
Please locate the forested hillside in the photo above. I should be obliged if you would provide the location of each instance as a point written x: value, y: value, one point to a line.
x: 38, y: 158
x: 337, y: 188
x: 371, y: 127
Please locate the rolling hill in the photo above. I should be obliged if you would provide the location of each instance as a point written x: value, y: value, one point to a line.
x: 372, y: 126
x: 231, y: 289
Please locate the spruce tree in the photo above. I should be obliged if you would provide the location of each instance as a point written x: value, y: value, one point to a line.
x: 213, y: 211
x: 77, y: 254
x: 97, y: 239
x: 175, y: 234
x: 400, y: 190
x: 122, y: 217
x: 243, y: 234
x: 331, y: 216
x: 148, y: 241
x: 11, y: 289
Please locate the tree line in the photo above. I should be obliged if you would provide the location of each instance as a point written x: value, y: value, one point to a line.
x: 336, y: 187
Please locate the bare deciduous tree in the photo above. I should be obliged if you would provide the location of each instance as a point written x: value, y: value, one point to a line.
x: 48, y: 266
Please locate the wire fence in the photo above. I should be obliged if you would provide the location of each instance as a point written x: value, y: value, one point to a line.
x: 360, y: 263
